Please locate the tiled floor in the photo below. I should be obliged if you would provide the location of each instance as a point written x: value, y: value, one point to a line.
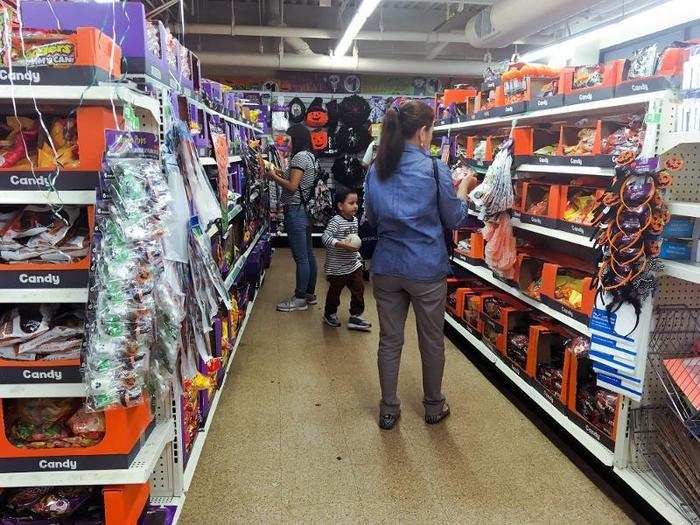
x: 295, y: 438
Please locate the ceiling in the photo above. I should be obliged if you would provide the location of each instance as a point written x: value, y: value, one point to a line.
x: 424, y: 16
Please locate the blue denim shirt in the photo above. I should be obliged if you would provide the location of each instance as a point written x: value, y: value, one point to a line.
x: 409, y: 213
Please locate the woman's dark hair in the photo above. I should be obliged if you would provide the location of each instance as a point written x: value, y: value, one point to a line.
x: 399, y: 125
x: 301, y: 138
x: 341, y: 193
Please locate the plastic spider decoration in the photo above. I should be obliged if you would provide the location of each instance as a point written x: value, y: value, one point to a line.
x: 630, y: 217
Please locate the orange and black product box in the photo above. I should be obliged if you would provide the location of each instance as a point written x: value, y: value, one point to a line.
x: 576, y: 205
x: 81, y: 162
x: 464, y: 99
x: 32, y: 275
x: 571, y: 154
x: 527, y: 140
x: 472, y: 142
x: 125, y: 432
x: 81, y: 58
x: 470, y: 246
x: 668, y: 74
x: 593, y: 408
x: 528, y: 274
x: 567, y: 288
x: 546, y: 93
x: 548, y: 362
x: 456, y: 287
x: 590, y: 83
x: 501, y: 315
x: 540, y: 203
x: 490, y: 103
x: 473, y: 300
x: 517, y: 208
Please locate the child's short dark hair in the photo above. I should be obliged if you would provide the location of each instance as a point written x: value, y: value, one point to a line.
x: 340, y: 194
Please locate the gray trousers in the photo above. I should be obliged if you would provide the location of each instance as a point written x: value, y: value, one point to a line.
x: 393, y: 295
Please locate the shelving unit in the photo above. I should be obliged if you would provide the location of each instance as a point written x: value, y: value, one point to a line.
x: 487, y: 275
x: 587, y: 109
x: 139, y: 471
x: 603, y: 454
x: 680, y: 282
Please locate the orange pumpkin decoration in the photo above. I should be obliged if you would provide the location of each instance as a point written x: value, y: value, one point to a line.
x: 316, y: 116
x: 319, y: 139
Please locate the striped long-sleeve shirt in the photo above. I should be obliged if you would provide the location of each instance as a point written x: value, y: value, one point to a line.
x: 339, y: 261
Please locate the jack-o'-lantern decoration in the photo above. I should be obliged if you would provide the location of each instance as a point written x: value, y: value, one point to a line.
x: 319, y: 139
x: 316, y: 116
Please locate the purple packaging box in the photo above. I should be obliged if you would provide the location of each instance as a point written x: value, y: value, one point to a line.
x: 205, y: 399
x: 230, y: 103
x: 125, y: 21
x: 212, y: 92
x: 154, y: 515
x: 185, y: 76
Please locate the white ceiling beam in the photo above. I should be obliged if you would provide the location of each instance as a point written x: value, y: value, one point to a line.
x: 343, y: 64
x: 324, y: 34
x: 465, y: 2
x: 436, y: 50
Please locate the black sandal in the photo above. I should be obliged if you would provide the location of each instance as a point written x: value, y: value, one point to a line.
x: 434, y: 420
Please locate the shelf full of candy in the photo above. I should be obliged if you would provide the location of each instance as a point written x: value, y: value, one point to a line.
x: 621, y: 186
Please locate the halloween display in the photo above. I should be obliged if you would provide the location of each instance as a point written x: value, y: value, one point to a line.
x: 630, y: 218
x: 296, y: 110
x: 316, y: 115
x: 48, y: 505
x: 348, y: 171
x: 319, y: 139
x: 354, y: 111
x: 26, y: 145
x: 352, y: 140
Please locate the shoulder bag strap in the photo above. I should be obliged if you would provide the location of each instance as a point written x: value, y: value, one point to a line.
x: 449, y: 243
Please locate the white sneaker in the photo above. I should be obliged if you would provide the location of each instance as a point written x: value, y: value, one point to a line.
x: 292, y: 304
x: 358, y: 323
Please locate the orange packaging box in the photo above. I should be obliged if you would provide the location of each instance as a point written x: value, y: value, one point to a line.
x: 540, y: 203
x: 527, y: 140
x: 455, y: 297
x: 597, y: 82
x: 475, y: 253
x: 492, y: 144
x: 669, y: 73
x: 581, y: 200
x: 567, y: 287
x: 595, y: 409
x: 501, y: 315
x: 125, y: 432
x: 125, y: 503
x: 473, y: 300
x: 528, y: 274
x: 458, y: 95
x: 33, y: 275
x: 548, y: 362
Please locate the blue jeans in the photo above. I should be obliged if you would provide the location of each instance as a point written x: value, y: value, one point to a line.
x: 298, y: 226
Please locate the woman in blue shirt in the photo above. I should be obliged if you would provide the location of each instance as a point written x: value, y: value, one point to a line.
x: 410, y: 198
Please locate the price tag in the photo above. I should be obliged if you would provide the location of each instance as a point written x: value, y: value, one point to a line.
x: 131, y: 121
x: 653, y: 117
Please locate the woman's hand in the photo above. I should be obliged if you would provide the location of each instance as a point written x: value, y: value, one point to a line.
x: 466, y: 186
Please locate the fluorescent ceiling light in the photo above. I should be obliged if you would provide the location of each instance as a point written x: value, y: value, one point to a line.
x: 663, y: 16
x: 364, y: 11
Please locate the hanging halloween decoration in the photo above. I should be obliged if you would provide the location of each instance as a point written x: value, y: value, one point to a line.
x: 316, y: 116
x: 319, y: 139
x: 630, y: 218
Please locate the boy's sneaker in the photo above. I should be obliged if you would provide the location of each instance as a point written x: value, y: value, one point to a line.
x: 332, y: 320
x: 357, y: 323
x: 311, y: 299
x: 292, y: 304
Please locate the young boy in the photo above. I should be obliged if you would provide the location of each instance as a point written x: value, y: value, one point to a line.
x: 343, y: 263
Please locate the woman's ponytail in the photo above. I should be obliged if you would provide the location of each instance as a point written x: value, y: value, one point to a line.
x: 391, y: 144
x: 398, y: 125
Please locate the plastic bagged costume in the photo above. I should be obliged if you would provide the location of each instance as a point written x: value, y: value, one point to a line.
x: 493, y: 199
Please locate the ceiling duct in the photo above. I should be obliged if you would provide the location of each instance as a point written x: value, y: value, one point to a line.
x: 507, y: 21
x: 274, y: 11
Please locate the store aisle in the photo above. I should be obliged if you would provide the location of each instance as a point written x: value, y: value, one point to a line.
x: 295, y: 438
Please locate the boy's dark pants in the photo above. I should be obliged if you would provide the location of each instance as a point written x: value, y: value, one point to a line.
x: 356, y: 286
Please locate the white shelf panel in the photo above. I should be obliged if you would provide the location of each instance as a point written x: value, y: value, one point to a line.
x: 668, y: 141
x: 233, y: 213
x: 603, y: 454
x: 567, y: 170
x: 549, y: 232
x: 48, y: 197
x: 654, y: 493
x: 104, y: 94
x: 487, y: 275
x: 683, y: 270
x: 685, y: 209
x: 139, y: 472
x: 211, y: 161
x: 44, y: 295
x: 198, y: 445
x: 42, y: 390
x: 584, y: 109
